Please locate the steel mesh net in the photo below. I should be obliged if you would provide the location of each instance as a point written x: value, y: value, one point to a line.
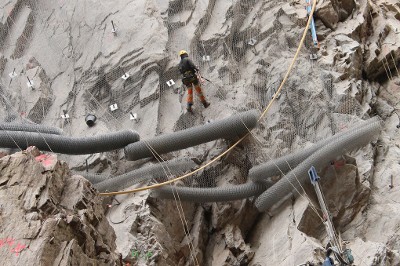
x: 66, y: 65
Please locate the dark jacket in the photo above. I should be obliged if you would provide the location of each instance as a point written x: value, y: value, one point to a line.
x: 187, y: 67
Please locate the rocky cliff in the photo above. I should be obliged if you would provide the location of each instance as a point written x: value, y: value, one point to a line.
x: 61, y: 58
x: 50, y: 217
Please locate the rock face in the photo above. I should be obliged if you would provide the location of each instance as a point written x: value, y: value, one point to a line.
x: 332, y: 12
x: 77, y: 54
x: 345, y: 195
x: 383, y: 51
x: 49, y: 217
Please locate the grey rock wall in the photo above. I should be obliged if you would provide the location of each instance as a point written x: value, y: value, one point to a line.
x: 49, y: 217
x: 68, y: 50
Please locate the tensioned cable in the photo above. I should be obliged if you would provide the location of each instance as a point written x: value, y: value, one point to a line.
x: 242, y: 138
x: 285, y: 176
x: 177, y: 200
x: 218, y: 91
x: 37, y: 130
x: 178, y: 203
x: 388, y: 71
x: 397, y: 70
x: 274, y: 97
x: 278, y: 90
x: 381, y: 44
x: 180, y: 208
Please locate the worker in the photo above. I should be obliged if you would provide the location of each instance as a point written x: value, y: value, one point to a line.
x: 189, y: 72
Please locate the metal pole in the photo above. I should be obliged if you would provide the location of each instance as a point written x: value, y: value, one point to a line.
x: 312, y: 25
x: 112, y: 23
x: 328, y: 222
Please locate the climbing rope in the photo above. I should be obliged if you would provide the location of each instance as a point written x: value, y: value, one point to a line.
x: 242, y: 138
x: 178, y: 203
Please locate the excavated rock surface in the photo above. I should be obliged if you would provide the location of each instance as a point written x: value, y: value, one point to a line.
x: 50, y: 217
x: 76, y: 63
x: 345, y: 195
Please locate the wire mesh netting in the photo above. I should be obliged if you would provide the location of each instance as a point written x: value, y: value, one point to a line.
x: 64, y: 60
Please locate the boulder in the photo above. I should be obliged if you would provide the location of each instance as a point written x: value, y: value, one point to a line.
x: 327, y: 14
x: 345, y: 196
x: 49, y: 217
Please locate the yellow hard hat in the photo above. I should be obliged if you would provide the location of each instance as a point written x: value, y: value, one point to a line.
x: 182, y: 52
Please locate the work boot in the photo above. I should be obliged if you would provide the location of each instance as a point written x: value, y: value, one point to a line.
x: 206, y: 104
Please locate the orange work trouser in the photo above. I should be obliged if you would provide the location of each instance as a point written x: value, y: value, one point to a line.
x: 199, y: 93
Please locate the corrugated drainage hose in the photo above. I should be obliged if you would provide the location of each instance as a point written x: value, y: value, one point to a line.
x: 216, y: 194
x: 159, y: 170
x: 30, y: 128
x: 68, y: 145
x: 296, y: 178
x: 232, y: 127
x: 284, y: 164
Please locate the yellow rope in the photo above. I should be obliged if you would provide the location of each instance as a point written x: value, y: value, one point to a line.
x: 242, y: 138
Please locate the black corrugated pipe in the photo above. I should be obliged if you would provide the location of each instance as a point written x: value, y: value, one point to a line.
x: 215, y: 194
x: 317, y: 155
x: 232, y: 127
x: 31, y: 128
x: 158, y: 170
x: 292, y: 182
x: 282, y: 165
x: 68, y: 145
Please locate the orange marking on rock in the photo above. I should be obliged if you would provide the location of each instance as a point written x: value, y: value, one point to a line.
x: 18, y: 249
x: 45, y: 159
